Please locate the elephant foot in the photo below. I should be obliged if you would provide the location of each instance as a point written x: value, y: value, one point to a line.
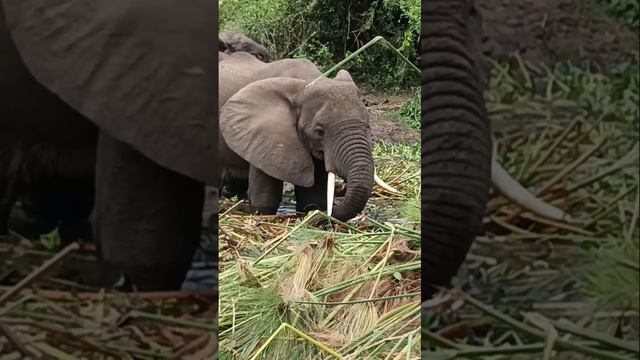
x: 307, y: 208
x: 28, y: 224
x: 130, y: 277
x: 267, y: 210
x: 71, y: 231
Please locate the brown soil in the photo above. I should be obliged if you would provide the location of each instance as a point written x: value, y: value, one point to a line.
x: 384, y: 127
x: 548, y: 31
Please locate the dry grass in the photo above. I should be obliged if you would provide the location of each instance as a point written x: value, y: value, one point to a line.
x: 71, y: 323
x: 301, y: 288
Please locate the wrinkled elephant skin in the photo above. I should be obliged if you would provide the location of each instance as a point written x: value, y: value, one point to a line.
x: 278, y: 124
x: 129, y: 86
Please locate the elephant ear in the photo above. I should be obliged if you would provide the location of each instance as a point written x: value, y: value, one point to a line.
x: 143, y: 71
x: 259, y: 124
x: 343, y: 75
x: 222, y: 46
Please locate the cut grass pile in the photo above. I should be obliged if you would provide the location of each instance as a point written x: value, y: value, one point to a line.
x: 539, y: 289
x: 69, y: 324
x: 300, y: 288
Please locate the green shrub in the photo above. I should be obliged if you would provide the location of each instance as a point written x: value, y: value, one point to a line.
x: 326, y: 31
x: 627, y: 10
x: 410, y: 111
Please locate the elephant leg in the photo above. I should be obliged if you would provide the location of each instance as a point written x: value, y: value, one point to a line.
x: 314, y: 197
x: 265, y: 192
x: 75, y: 208
x: 28, y: 220
x: 236, y: 187
x: 147, y: 217
x: 65, y: 201
x: 7, y: 187
x: 7, y: 198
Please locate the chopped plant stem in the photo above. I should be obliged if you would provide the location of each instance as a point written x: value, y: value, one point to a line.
x: 360, y: 301
x: 37, y: 272
x: 306, y: 337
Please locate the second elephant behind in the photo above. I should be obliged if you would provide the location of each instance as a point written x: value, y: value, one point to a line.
x: 282, y: 122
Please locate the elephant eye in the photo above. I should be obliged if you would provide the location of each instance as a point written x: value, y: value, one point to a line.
x: 319, y: 132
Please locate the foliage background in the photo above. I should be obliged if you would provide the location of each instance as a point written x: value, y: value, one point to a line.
x: 326, y: 31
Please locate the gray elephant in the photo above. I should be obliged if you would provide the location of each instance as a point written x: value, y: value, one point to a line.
x: 57, y: 197
x: 117, y: 77
x: 458, y: 159
x: 283, y: 122
x: 238, y: 42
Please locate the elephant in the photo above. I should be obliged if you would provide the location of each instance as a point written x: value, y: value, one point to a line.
x: 459, y: 163
x: 134, y: 84
x: 59, y: 198
x: 238, y: 42
x: 62, y: 198
x: 283, y: 121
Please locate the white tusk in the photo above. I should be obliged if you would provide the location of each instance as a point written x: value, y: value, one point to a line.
x: 331, y: 186
x: 383, y: 184
x: 514, y: 191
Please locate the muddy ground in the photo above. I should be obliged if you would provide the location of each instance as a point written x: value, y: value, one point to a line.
x: 385, y: 126
x: 549, y: 31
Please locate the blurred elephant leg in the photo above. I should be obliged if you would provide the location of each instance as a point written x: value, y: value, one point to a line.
x: 68, y: 202
x: 265, y: 192
x: 236, y: 187
x: 314, y: 197
x: 8, y: 186
x: 7, y: 198
x: 456, y: 139
x: 148, y: 218
x: 28, y: 219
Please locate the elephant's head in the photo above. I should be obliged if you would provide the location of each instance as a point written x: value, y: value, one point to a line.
x: 280, y: 124
x: 238, y: 42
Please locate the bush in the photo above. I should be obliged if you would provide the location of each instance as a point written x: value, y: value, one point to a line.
x: 326, y: 31
x: 627, y: 10
x: 410, y: 113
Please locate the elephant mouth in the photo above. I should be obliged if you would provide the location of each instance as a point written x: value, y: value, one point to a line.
x: 331, y: 188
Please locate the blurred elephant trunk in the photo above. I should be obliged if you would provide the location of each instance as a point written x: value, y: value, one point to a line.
x: 353, y: 162
x: 456, y: 138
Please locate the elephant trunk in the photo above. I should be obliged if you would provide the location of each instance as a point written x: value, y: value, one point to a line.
x: 353, y: 162
x: 456, y: 138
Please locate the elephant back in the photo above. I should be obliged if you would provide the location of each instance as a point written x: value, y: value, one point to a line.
x: 143, y: 71
x: 301, y: 69
x: 241, y: 69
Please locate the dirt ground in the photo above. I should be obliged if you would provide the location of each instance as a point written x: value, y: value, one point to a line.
x: 548, y: 31
x: 384, y: 127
